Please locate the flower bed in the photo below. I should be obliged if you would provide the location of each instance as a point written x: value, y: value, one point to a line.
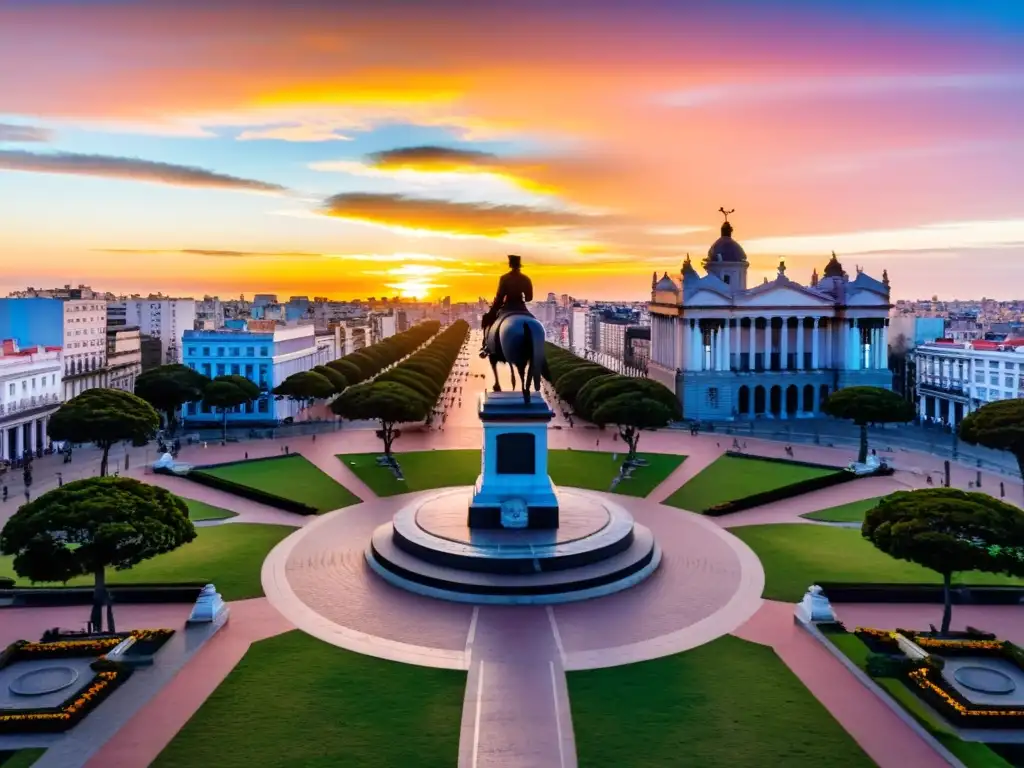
x: 109, y: 675
x: 926, y: 680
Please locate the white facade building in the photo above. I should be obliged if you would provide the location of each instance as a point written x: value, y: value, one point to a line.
x: 30, y: 392
x: 580, y: 331
x: 124, y: 358
x: 956, y: 379
x: 774, y: 350
x: 160, y: 317
x: 85, y: 345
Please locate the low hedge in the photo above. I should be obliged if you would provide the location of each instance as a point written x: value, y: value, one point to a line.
x: 184, y: 592
x: 778, y: 494
x: 847, y: 592
x: 247, y: 492
x: 780, y: 460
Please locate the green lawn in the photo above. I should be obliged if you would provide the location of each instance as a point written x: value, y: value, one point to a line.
x: 727, y: 704
x: 296, y: 701
x: 424, y: 470
x: 845, y: 513
x: 972, y: 754
x: 795, y: 556
x: 733, y: 477
x: 200, y: 510
x: 230, y: 556
x: 22, y: 758
x: 292, y: 477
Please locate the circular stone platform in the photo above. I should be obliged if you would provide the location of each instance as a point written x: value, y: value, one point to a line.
x: 708, y: 584
x: 429, y: 549
x: 40, y: 682
x: 985, y: 680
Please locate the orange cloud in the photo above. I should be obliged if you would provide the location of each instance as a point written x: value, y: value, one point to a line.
x: 444, y: 215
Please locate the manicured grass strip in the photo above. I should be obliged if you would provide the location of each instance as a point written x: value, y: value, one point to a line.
x: 200, y: 510
x: 296, y: 701
x: 22, y: 758
x: 972, y: 754
x: 795, y: 556
x: 732, y: 477
x: 424, y: 470
x: 595, y: 471
x: 845, y: 513
x: 292, y: 477
x: 229, y: 556
x: 727, y: 704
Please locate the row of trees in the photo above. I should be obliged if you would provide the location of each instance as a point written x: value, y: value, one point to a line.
x: 601, y: 396
x: 408, y: 391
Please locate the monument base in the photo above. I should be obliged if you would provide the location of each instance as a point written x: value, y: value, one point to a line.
x: 490, y: 517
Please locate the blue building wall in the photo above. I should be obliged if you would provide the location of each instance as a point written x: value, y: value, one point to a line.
x: 221, y: 353
x: 32, y: 321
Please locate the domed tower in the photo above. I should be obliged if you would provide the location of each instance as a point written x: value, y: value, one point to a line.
x: 726, y: 259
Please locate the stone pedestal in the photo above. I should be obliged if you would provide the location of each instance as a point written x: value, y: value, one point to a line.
x: 513, y: 489
x: 210, y: 607
x: 815, y: 607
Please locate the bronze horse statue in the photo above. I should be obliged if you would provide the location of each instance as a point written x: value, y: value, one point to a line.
x: 517, y: 338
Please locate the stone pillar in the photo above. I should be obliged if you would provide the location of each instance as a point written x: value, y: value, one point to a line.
x: 858, y: 349
x: 19, y: 446
x: 768, y: 343
x: 800, y: 343
x: 885, y: 345
x: 728, y: 344
x: 3, y: 444
x: 719, y: 348
x: 698, y: 347
x: 784, y: 345
x: 751, y: 346
x: 815, y: 343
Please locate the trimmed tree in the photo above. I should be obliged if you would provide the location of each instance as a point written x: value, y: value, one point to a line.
x: 998, y: 425
x: 387, y: 402
x: 632, y: 413
x: 348, y: 369
x: 104, y: 417
x: 227, y: 392
x: 949, y: 531
x: 168, y: 387
x: 87, y: 526
x: 305, y: 386
x: 338, y: 380
x: 868, y: 405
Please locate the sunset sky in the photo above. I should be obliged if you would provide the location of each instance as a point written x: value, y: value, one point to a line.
x: 372, y: 148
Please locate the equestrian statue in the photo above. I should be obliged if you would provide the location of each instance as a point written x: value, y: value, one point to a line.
x: 511, y: 333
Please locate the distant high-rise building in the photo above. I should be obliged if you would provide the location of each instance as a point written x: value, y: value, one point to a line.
x: 162, y: 317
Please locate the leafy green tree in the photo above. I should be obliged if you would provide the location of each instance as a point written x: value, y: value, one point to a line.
x: 87, y: 526
x: 632, y: 413
x: 568, y: 384
x: 868, y: 405
x: 353, y: 375
x: 305, y: 386
x: 999, y: 426
x: 368, y: 367
x: 227, y: 392
x: 949, y: 531
x: 168, y: 387
x: 104, y: 417
x: 338, y: 381
x: 427, y: 389
x: 387, y: 402
x: 598, y: 390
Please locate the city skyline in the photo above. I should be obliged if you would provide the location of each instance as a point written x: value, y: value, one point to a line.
x: 225, y: 148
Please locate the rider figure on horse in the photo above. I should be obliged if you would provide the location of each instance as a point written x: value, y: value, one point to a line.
x: 514, y: 290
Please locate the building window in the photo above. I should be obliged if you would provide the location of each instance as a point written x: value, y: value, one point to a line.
x: 1009, y: 366
x: 191, y: 351
x: 979, y: 377
x: 248, y: 373
x: 263, y: 375
x: 1008, y: 382
x: 220, y: 369
x: 11, y: 390
x: 250, y: 351
x: 993, y: 380
x: 206, y: 370
x: 206, y: 351
x: 235, y: 369
x: 220, y: 351
x: 263, y: 351
x: 263, y: 405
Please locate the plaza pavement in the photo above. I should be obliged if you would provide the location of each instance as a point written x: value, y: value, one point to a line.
x: 516, y: 711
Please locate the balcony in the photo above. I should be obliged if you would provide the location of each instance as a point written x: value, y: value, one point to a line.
x: 27, y: 405
x: 943, y: 389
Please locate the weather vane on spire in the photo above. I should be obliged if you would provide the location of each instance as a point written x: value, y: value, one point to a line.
x: 726, y: 213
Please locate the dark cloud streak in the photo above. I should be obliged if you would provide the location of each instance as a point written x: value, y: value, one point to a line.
x: 24, y: 133
x: 128, y: 168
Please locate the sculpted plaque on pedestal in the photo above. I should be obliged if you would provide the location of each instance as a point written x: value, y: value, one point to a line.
x: 514, y: 514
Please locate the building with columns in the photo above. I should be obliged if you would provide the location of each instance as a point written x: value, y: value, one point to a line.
x: 774, y: 350
x: 30, y: 392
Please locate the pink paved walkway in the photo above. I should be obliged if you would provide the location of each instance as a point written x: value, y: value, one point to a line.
x: 139, y: 742
x: 884, y: 737
x: 30, y: 623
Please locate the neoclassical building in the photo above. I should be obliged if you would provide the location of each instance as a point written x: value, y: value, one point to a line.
x: 774, y: 350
